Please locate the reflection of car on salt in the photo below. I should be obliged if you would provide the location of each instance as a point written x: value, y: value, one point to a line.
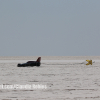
x: 31, y: 63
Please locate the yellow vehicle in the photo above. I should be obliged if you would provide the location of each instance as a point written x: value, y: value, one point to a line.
x: 89, y: 62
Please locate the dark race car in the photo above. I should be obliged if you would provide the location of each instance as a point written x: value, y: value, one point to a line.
x: 31, y: 63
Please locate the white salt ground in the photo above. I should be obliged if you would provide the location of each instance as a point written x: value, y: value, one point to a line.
x: 65, y: 78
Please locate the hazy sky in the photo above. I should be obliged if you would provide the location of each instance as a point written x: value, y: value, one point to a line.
x: 49, y: 27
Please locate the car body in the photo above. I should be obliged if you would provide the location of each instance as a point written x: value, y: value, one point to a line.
x: 31, y: 63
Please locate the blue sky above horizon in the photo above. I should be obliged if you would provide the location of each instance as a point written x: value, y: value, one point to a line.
x: 49, y: 27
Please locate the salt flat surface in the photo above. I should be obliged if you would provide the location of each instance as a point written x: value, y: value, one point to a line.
x: 66, y: 79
